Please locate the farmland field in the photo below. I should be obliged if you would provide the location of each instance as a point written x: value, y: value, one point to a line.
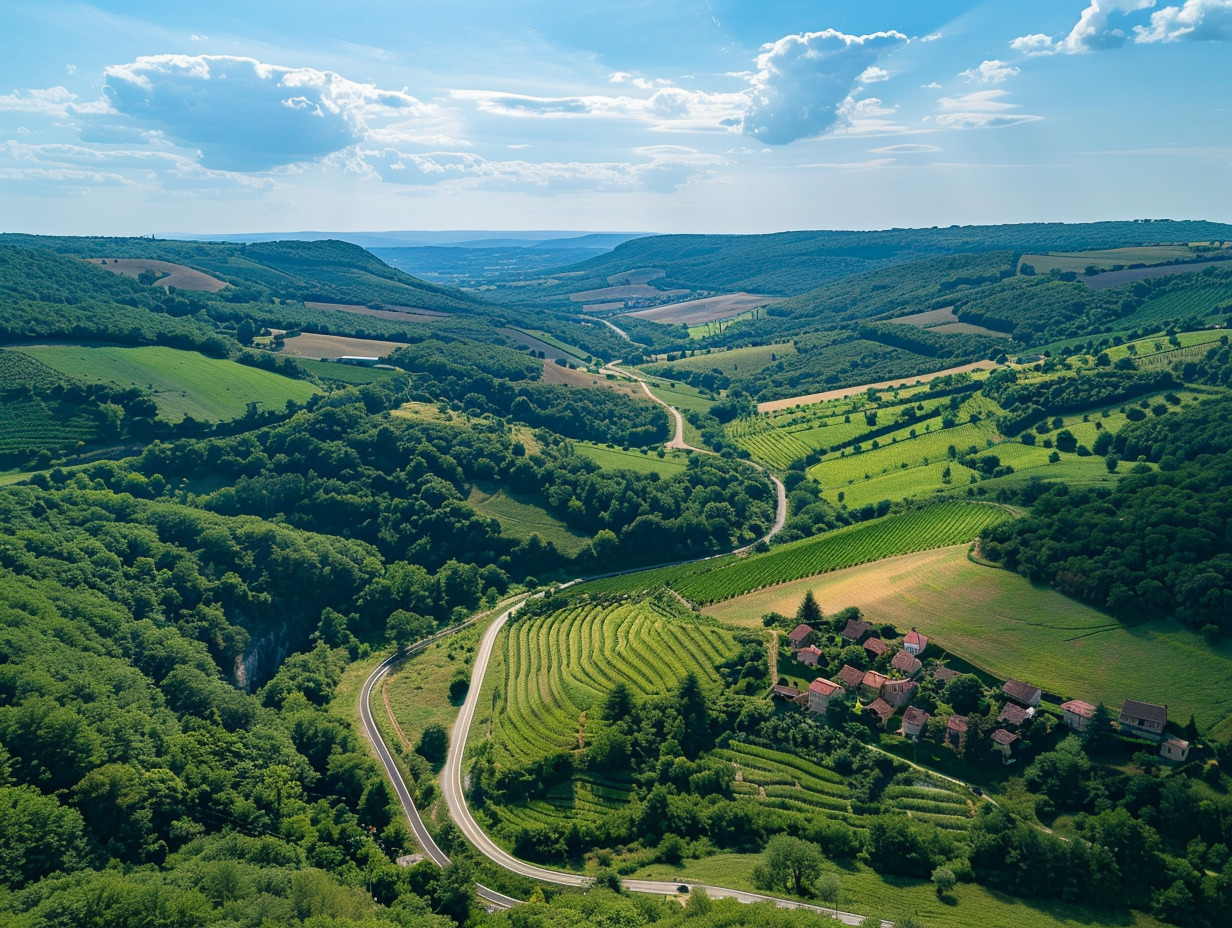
x: 1078, y: 261
x: 344, y: 373
x: 554, y: 373
x: 1009, y: 627
x: 332, y: 347
x: 723, y: 578
x: 183, y: 383
x: 551, y: 346
x: 174, y: 275
x: 27, y: 423
x: 521, y: 518
x: 673, y: 462
x: 811, y: 398
x: 392, y: 313
x: 734, y: 361
x: 708, y: 309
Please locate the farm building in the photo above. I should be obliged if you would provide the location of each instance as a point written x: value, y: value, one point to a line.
x: 876, y: 647
x: 880, y: 708
x: 1077, y: 714
x: 1024, y: 694
x: 1014, y: 715
x: 820, y: 691
x: 955, y: 728
x: 788, y: 693
x: 1174, y: 749
x: 850, y: 677
x: 799, y: 635
x: 810, y: 656
x: 914, y: 643
x: 871, y: 684
x: 914, y: 721
x: 856, y: 631
x: 906, y: 663
x: 1004, y: 742
x: 1144, y: 719
x: 898, y: 692
x: 943, y: 674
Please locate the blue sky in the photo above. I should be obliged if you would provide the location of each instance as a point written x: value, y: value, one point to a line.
x: 659, y: 115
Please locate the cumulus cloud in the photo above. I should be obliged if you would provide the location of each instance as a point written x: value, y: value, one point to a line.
x: 245, y: 115
x: 52, y: 101
x: 873, y: 75
x: 990, y: 72
x: 803, y: 80
x: 1196, y: 21
x: 984, y: 109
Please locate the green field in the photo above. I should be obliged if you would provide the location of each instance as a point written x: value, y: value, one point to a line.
x: 722, y: 578
x: 735, y: 361
x: 521, y: 518
x: 679, y: 395
x: 27, y: 423
x: 343, y: 373
x: 1001, y: 623
x: 183, y: 383
x: 644, y: 462
x: 1078, y: 261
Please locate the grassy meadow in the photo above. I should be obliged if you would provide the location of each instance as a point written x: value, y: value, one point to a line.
x: 644, y: 462
x: 183, y: 383
x: 521, y: 518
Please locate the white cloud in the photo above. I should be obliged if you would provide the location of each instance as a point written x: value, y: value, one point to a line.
x: 667, y: 107
x: 803, y: 80
x: 990, y: 72
x: 1093, y: 32
x: 873, y: 75
x: 1197, y: 20
x: 245, y: 115
x: 52, y: 101
x: 904, y: 150
x: 983, y: 109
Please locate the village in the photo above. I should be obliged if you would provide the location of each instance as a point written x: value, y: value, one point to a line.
x: 895, y: 685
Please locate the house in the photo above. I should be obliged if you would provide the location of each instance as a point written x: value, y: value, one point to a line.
x: 1014, y: 715
x: 850, y: 677
x: 955, y: 729
x: 1077, y: 714
x: 799, y: 635
x: 1144, y: 719
x: 871, y: 684
x: 914, y: 643
x: 788, y: 693
x: 876, y: 647
x: 1024, y: 694
x: 898, y: 692
x: 914, y: 721
x: 880, y: 708
x: 1004, y: 742
x: 906, y: 663
x: 943, y: 674
x: 856, y: 631
x: 820, y: 691
x: 810, y: 656
x: 1174, y: 749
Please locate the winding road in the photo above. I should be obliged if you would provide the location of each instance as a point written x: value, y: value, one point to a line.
x: 452, y: 775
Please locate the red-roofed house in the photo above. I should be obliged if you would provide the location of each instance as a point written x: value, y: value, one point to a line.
x: 1144, y: 719
x: 798, y: 635
x: 1014, y: 715
x: 856, y: 631
x: 871, y: 684
x: 789, y: 693
x: 820, y: 691
x: 810, y: 656
x: 880, y: 708
x: 914, y: 642
x: 1022, y: 693
x: 876, y: 647
x: 1004, y: 742
x: 914, y: 721
x: 850, y: 677
x: 898, y: 692
x: 955, y: 728
x: 1174, y: 749
x: 1077, y: 714
x: 907, y: 663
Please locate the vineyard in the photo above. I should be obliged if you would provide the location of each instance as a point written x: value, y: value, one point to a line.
x: 552, y: 671
x: 715, y: 580
x: 28, y: 424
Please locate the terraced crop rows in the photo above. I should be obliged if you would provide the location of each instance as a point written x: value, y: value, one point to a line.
x: 934, y: 527
x: 555, y: 669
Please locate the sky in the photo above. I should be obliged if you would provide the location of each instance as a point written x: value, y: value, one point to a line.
x: 157, y: 116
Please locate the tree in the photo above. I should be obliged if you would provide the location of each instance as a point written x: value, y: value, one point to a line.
x: 789, y: 863
x: 809, y: 612
x: 405, y: 627
x: 827, y: 888
x: 944, y: 881
x: 964, y: 693
x: 1098, y: 733
x: 433, y: 745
